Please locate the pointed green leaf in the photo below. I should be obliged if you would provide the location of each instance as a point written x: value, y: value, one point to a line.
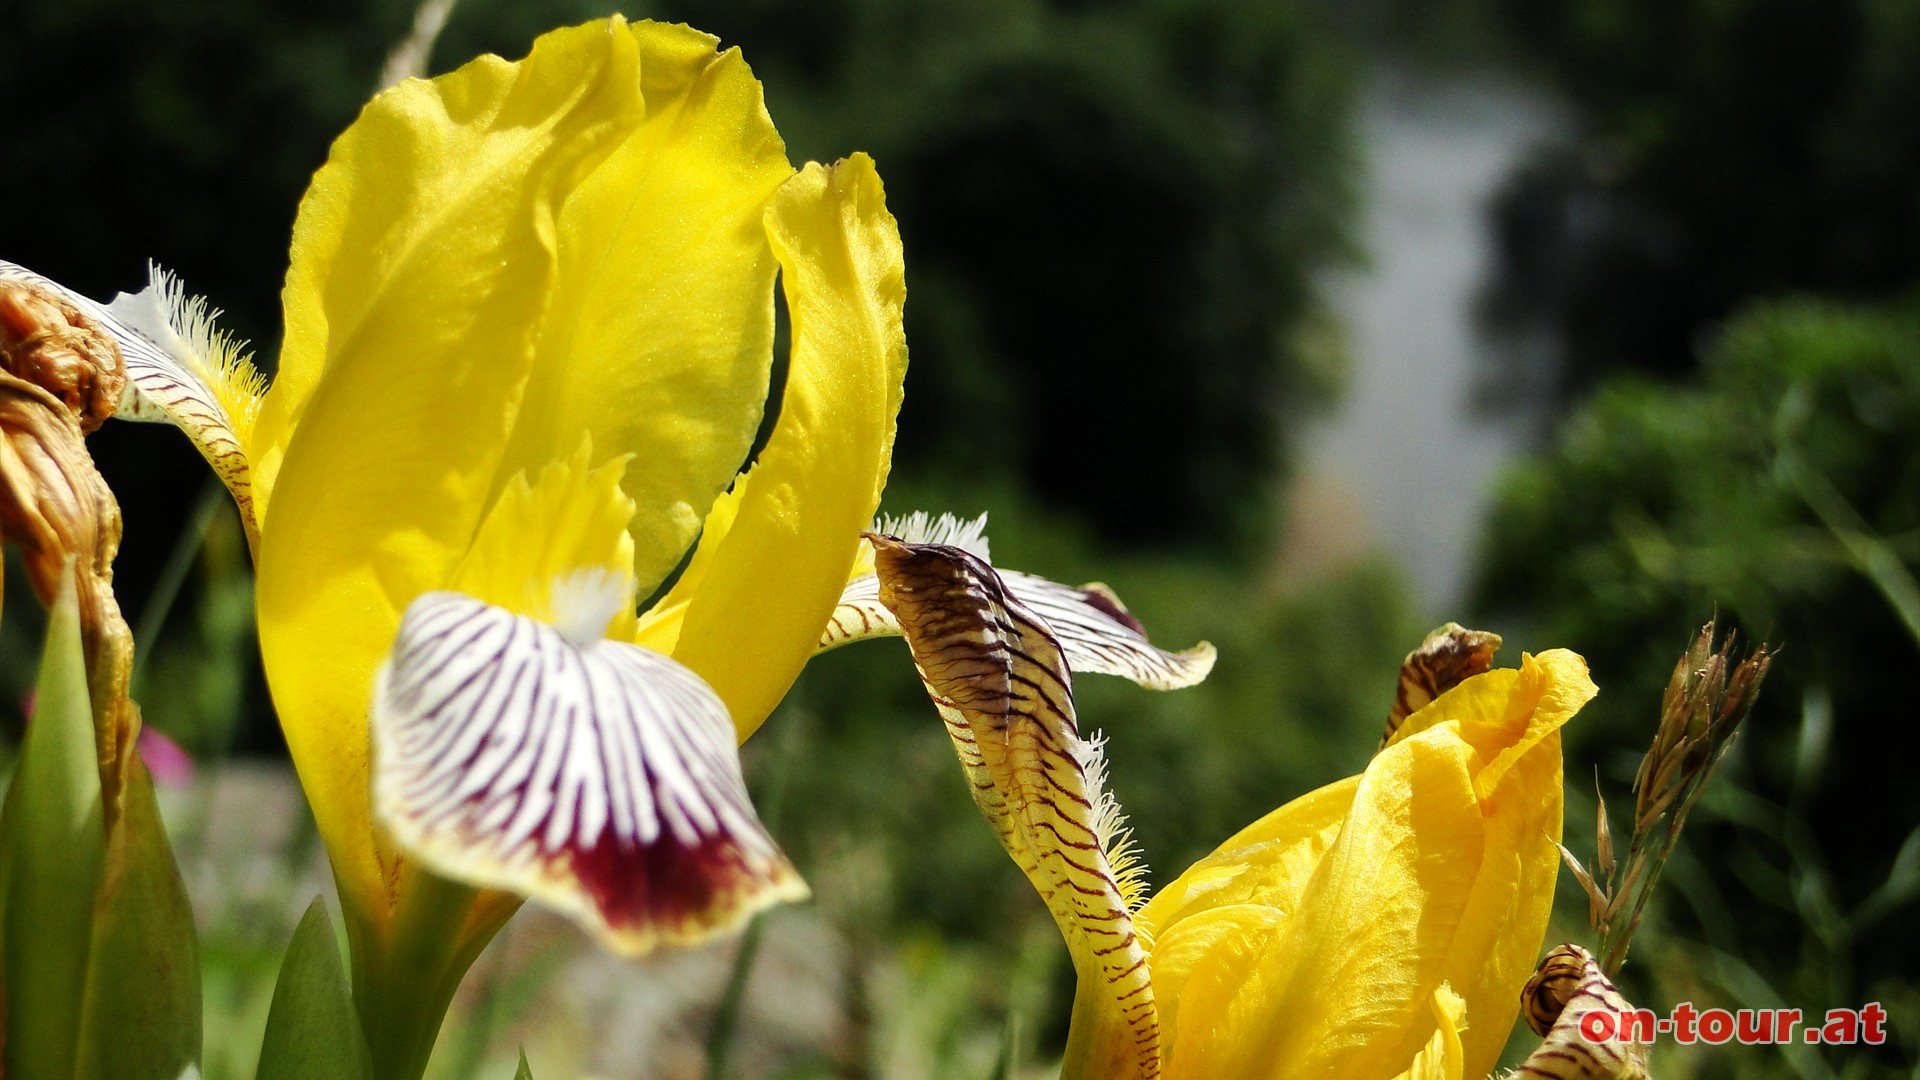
x: 52, y: 846
x: 141, y: 1016
x: 312, y: 1031
x: 523, y: 1072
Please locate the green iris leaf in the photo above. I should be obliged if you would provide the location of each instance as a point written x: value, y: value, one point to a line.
x: 312, y: 1030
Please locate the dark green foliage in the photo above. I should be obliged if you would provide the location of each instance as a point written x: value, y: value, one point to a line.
x: 53, y: 848
x: 1728, y: 150
x: 99, y: 961
x: 1785, y: 491
x: 182, y: 133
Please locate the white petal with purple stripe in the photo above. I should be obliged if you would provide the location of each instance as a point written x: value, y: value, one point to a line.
x: 596, y: 776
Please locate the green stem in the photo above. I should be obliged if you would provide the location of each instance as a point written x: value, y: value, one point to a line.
x: 173, y: 576
x: 1870, y: 554
x: 726, y: 1017
x: 404, y: 979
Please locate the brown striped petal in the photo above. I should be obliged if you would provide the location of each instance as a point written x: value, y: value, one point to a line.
x: 859, y: 615
x: 1566, y: 986
x: 1002, y: 683
x: 594, y: 775
x: 1094, y: 629
x: 1448, y: 657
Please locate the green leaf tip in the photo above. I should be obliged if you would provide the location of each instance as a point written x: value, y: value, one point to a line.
x: 313, y: 1032
x: 52, y: 848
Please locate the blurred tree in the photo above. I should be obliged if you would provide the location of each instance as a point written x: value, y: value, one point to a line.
x: 1785, y: 491
x: 1727, y: 150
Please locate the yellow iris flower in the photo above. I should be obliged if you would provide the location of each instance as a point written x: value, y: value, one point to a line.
x: 529, y: 332
x: 1383, y: 925
x: 1379, y: 927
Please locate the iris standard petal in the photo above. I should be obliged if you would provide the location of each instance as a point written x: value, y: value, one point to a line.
x: 433, y: 225
x: 1267, y: 863
x: 422, y: 259
x: 768, y: 580
x: 659, y: 338
x: 569, y: 518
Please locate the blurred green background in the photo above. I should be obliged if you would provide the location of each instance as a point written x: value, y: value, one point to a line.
x: 1305, y: 326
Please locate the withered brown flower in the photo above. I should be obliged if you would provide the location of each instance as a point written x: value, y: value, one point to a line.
x: 61, y: 377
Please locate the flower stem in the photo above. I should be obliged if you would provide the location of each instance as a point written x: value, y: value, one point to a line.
x: 404, y: 978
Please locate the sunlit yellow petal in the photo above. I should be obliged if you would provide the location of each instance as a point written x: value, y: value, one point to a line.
x: 1436, y: 866
x: 422, y: 258
x: 660, y: 335
x: 570, y: 519
x: 1442, y: 1058
x: 1545, y: 693
x: 1266, y: 863
x: 1199, y: 967
x: 775, y: 575
x: 1334, y: 991
x: 659, y: 627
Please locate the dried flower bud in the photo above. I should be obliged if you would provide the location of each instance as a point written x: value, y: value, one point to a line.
x: 60, y: 376
x: 47, y: 341
x: 1553, y: 984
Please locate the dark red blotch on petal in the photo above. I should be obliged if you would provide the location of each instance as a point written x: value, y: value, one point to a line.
x: 676, y: 890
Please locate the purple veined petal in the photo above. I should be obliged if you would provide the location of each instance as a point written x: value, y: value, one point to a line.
x: 600, y: 778
x: 1100, y: 635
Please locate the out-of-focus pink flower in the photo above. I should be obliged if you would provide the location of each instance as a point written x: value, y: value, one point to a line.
x: 170, y: 765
